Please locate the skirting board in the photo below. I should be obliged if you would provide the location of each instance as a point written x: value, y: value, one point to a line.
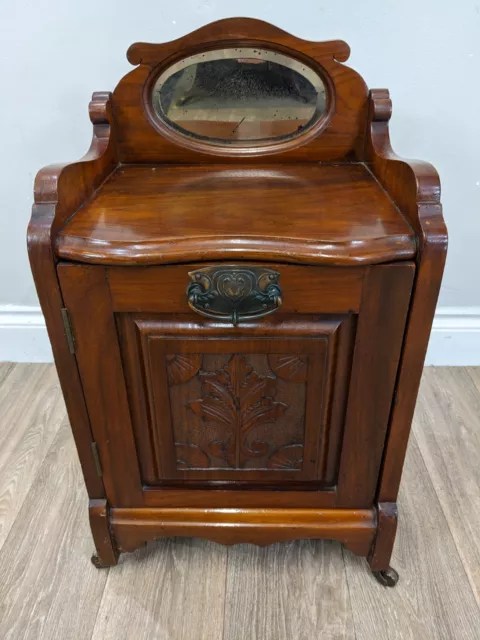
x: 455, y: 339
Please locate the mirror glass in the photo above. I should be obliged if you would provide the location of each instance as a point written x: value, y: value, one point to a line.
x: 238, y: 96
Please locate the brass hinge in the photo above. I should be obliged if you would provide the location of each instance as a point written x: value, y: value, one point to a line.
x: 67, y: 324
x: 96, y: 458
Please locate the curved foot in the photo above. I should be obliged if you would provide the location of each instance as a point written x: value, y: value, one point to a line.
x: 388, y: 578
x: 97, y: 562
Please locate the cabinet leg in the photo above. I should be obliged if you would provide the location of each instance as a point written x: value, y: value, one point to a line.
x: 382, y: 547
x: 107, y: 554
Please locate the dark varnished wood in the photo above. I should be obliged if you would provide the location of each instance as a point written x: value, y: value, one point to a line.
x: 86, y: 294
x: 238, y: 495
x: 162, y: 290
x: 302, y: 213
x: 380, y: 330
x: 384, y: 302
x: 415, y: 186
x: 107, y: 553
x: 381, y: 550
x: 358, y: 238
x: 59, y: 191
x: 140, y: 142
x: 355, y: 528
x: 333, y: 334
x: 296, y: 418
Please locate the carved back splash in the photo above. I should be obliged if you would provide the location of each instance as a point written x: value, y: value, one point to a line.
x: 238, y: 411
x: 339, y: 135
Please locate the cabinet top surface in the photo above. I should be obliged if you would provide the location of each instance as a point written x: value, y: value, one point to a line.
x: 317, y: 214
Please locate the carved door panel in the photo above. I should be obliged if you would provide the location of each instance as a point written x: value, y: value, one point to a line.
x: 221, y: 408
x: 294, y: 402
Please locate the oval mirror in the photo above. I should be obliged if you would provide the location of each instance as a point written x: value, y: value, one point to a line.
x: 239, y: 96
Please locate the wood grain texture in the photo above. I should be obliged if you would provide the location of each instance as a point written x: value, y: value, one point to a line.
x: 341, y: 134
x: 169, y: 590
x: 304, y: 290
x: 85, y: 291
x: 59, y: 192
x: 193, y: 589
x: 231, y: 439
x: 415, y: 188
x: 295, y: 590
x: 31, y: 412
x: 107, y: 554
x: 5, y: 369
x: 354, y: 528
x: 447, y: 428
x: 433, y: 598
x: 335, y: 195
x: 382, y: 547
x: 49, y: 590
x: 378, y: 345
x: 317, y: 214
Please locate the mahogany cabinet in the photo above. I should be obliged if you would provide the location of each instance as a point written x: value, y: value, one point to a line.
x: 239, y: 281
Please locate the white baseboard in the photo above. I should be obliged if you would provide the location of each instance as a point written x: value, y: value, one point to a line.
x: 455, y: 339
x: 23, y: 335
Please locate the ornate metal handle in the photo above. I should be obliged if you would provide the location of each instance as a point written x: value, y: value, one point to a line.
x: 234, y: 292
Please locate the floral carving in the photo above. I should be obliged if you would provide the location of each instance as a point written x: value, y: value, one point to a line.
x: 289, y: 367
x: 180, y: 368
x: 238, y: 399
x: 288, y: 457
x: 189, y: 456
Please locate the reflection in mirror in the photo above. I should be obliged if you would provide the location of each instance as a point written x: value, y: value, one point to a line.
x: 239, y: 96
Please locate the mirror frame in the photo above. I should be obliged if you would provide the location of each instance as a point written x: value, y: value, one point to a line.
x: 251, y: 147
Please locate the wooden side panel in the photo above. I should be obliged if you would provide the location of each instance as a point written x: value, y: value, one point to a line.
x: 59, y: 191
x: 378, y: 345
x: 415, y: 187
x: 87, y: 297
x: 42, y: 262
x: 422, y: 311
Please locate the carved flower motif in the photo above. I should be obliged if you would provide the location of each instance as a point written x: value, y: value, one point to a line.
x: 237, y: 398
x: 288, y: 457
x: 289, y: 367
x: 181, y: 368
x: 190, y: 456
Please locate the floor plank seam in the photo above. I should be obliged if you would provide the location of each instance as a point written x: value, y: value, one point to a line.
x: 54, y: 599
x: 225, y: 594
x: 464, y: 568
x: 32, y: 483
x: 473, y: 587
x: 468, y: 370
x: 100, y: 600
x: 7, y: 375
x: 348, y: 591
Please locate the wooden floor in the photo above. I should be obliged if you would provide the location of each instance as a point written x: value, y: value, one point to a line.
x: 189, y: 589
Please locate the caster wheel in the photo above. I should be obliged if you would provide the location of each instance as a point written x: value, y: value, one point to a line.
x: 97, y: 563
x: 388, y: 578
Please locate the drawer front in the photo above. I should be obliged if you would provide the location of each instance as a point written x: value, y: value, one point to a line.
x: 304, y: 289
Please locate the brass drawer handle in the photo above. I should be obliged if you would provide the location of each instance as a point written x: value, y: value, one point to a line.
x: 233, y: 292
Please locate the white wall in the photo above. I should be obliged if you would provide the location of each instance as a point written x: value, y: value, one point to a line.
x: 55, y: 53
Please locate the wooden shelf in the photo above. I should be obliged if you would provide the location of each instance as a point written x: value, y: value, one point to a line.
x: 311, y: 213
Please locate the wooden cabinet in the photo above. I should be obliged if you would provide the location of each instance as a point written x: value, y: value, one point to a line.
x: 240, y: 337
